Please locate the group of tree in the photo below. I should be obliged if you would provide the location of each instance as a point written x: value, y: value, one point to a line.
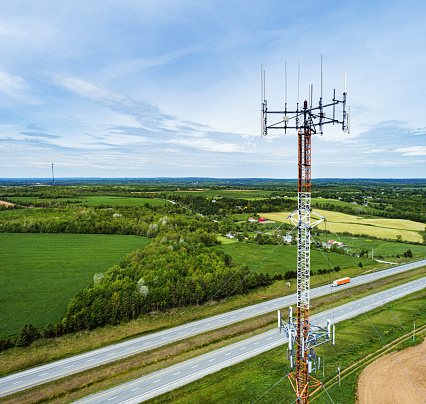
x: 291, y: 274
x: 222, y: 207
x: 147, y: 221
x: 175, y: 270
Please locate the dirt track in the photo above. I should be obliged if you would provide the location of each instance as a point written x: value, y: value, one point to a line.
x: 6, y: 203
x: 384, y: 382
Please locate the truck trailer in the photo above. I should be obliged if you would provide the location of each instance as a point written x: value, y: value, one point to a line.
x: 341, y: 282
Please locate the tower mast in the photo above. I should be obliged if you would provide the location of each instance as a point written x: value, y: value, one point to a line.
x: 299, y: 331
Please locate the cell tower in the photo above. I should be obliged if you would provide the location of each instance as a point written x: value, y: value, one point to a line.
x: 303, y: 336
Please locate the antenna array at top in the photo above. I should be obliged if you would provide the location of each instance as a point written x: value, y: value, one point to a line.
x: 291, y: 118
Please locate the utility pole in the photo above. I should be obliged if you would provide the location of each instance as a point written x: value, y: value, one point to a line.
x: 302, y: 335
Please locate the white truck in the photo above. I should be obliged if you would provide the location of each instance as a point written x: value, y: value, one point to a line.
x: 341, y: 281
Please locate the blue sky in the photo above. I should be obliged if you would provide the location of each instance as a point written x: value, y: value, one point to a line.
x: 172, y: 88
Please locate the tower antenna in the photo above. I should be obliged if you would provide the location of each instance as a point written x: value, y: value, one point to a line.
x: 303, y: 336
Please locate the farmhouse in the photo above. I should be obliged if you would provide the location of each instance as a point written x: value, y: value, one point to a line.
x: 332, y: 242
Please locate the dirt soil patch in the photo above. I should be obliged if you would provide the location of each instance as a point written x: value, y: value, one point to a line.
x: 6, y: 203
x: 384, y: 382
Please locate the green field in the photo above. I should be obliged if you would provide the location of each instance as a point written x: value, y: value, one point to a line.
x: 284, y: 258
x: 382, y: 249
x: 100, y: 200
x: 376, y: 227
x: 40, y: 273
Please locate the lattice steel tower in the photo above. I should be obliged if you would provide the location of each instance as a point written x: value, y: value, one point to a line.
x: 301, y: 334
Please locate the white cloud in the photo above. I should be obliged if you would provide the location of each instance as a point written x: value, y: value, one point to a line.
x: 15, y: 87
x: 412, y: 151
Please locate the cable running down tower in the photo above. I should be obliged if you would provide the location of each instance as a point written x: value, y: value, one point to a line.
x: 303, y: 336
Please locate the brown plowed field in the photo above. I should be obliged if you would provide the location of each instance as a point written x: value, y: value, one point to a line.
x: 384, y: 382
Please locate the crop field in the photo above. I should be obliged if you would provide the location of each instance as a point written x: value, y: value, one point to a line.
x: 284, y: 258
x: 102, y: 200
x: 376, y: 227
x: 40, y: 273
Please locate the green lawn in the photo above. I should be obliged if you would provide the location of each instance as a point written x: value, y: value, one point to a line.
x: 40, y: 273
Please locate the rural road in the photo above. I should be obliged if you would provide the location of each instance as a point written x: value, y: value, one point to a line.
x: 164, y: 380
x: 65, y: 367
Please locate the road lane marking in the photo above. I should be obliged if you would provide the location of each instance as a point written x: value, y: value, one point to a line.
x: 112, y: 398
x: 174, y: 374
x: 137, y: 388
x: 157, y: 381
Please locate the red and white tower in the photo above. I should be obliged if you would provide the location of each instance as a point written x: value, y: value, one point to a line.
x: 303, y: 336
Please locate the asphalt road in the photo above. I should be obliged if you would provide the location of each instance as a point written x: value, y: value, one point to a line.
x: 65, y: 367
x: 159, y: 382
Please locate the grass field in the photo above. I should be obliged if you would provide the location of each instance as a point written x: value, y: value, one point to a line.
x: 384, y: 249
x: 284, y: 258
x: 40, y: 273
x: 102, y: 200
x: 383, y: 228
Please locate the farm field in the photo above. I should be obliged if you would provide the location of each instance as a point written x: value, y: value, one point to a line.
x: 284, y: 258
x: 376, y: 227
x: 360, y: 209
x: 101, y: 200
x: 40, y: 273
x: 382, y: 249
x: 380, y: 382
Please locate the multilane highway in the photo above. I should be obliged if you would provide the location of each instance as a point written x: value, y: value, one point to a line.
x: 65, y: 367
x: 159, y: 382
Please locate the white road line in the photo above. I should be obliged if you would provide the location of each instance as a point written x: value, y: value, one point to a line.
x: 212, y: 359
x: 137, y: 388
x: 174, y: 374
x: 157, y: 381
x: 70, y: 366
x: 44, y: 374
x: 229, y: 353
x: 194, y: 366
x: 112, y: 398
